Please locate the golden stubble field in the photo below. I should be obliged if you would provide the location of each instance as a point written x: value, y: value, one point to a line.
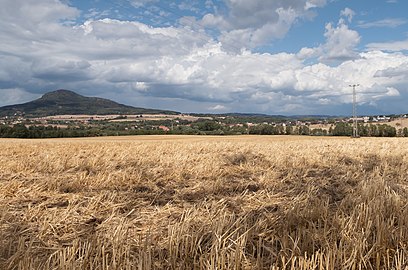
x: 191, y: 202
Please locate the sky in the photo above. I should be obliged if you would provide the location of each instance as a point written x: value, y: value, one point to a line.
x: 289, y: 57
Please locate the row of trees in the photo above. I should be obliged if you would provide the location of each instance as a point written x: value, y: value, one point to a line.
x: 339, y: 129
x: 21, y: 131
x: 381, y: 130
x: 198, y: 128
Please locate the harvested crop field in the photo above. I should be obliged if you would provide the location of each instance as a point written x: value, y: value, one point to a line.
x: 191, y: 202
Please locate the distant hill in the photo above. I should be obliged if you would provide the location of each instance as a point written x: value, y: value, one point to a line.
x: 68, y: 102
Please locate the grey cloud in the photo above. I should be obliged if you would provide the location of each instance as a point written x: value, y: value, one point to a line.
x: 187, y: 92
x: 401, y: 70
x: 176, y: 68
x: 254, y: 14
x: 15, y: 95
x: 32, y: 19
x: 61, y: 70
x: 393, y: 46
x: 253, y: 23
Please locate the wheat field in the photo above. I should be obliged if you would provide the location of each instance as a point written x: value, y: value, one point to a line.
x: 191, y: 202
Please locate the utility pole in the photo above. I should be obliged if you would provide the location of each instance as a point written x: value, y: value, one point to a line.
x: 355, y: 126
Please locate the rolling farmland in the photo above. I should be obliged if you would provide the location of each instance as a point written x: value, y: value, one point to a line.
x: 194, y: 202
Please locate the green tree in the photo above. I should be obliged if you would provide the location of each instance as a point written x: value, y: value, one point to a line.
x: 208, y: 126
x: 288, y: 130
x: 342, y: 129
x: 20, y: 131
x: 405, y: 132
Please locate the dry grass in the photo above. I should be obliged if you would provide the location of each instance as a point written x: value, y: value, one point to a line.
x: 204, y: 203
x: 399, y: 123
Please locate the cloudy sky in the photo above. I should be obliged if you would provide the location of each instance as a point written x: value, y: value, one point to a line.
x: 262, y: 56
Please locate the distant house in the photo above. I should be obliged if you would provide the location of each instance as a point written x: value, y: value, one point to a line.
x: 164, y: 128
x: 236, y: 125
x: 383, y: 118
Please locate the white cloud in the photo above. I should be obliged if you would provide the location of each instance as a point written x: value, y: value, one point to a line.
x: 392, y: 92
x: 141, y: 86
x: 140, y: 3
x: 393, y: 46
x: 218, y: 107
x: 340, y: 43
x: 348, y: 13
x: 187, y: 70
x: 94, y: 13
x: 389, y: 23
x: 306, y: 53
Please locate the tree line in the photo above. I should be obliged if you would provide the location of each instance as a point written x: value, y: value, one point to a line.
x: 200, y: 128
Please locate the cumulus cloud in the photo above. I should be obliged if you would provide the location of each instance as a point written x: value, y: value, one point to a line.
x: 340, y: 44
x: 393, y: 72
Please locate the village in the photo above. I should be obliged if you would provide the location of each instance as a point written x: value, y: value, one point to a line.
x: 119, y: 124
